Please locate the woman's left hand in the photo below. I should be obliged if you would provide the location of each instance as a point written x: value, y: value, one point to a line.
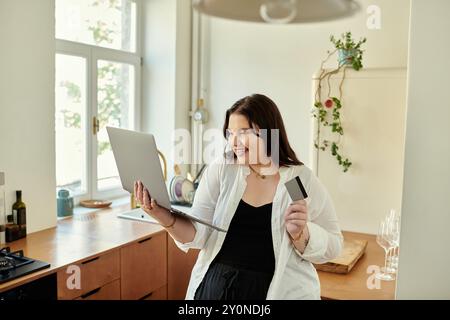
x: 295, y: 218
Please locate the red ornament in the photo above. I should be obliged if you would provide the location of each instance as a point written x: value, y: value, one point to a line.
x: 329, y: 103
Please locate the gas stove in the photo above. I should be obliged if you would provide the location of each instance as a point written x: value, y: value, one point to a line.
x: 14, y: 265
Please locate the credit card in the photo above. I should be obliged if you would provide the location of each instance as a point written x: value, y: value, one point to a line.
x: 296, y: 189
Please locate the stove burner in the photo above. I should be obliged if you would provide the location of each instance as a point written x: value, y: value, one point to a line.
x: 7, y: 252
x: 3, y: 262
x: 11, y: 260
x: 6, y: 264
x: 15, y: 264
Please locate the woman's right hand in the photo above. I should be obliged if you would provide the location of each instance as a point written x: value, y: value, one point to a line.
x: 149, y: 205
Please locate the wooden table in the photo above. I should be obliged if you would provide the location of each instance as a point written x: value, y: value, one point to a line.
x: 353, y: 286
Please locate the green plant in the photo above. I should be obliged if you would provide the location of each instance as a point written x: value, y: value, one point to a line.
x: 328, y: 112
x: 351, y: 50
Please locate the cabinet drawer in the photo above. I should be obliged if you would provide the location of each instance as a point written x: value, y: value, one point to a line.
x: 158, y: 294
x: 144, y: 267
x: 110, y: 291
x: 180, y: 265
x: 90, y: 274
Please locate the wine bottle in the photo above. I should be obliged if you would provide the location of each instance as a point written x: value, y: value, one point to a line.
x: 19, y: 214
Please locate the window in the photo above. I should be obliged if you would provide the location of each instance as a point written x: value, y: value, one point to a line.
x: 97, y: 84
x: 71, y: 116
x: 115, y: 87
x: 105, y: 23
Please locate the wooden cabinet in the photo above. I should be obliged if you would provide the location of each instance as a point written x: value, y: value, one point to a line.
x: 180, y: 266
x: 153, y: 268
x: 110, y: 291
x: 158, y: 294
x: 91, y: 274
x: 108, y: 258
x: 144, y: 267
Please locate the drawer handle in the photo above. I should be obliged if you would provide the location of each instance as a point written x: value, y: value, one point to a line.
x: 91, y: 260
x: 147, y: 296
x: 145, y: 240
x: 90, y: 293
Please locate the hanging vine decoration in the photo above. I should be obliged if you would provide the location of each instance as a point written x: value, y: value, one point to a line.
x: 328, y: 113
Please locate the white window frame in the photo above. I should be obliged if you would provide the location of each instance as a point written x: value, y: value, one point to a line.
x: 93, y: 54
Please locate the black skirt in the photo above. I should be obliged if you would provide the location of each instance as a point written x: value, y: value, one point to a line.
x: 227, y: 282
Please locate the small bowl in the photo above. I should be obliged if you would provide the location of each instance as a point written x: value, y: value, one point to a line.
x: 95, y: 204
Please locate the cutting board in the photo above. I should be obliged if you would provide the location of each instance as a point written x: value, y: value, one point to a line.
x: 351, y: 253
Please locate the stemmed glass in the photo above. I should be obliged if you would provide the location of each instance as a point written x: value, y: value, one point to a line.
x: 394, y: 222
x: 386, y: 240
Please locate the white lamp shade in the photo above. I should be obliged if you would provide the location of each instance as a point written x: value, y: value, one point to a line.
x: 251, y: 10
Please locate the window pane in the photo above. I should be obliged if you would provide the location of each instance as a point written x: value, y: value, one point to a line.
x: 115, y: 108
x: 105, y: 23
x: 70, y: 99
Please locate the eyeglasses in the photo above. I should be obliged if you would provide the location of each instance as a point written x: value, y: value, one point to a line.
x: 241, y: 133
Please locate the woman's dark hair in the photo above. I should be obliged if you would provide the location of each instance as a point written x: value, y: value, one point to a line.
x: 262, y: 113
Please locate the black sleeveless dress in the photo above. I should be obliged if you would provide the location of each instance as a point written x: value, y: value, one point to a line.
x: 244, y: 267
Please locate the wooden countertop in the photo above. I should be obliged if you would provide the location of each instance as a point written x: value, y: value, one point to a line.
x: 86, y: 235
x: 353, y: 286
x: 78, y: 238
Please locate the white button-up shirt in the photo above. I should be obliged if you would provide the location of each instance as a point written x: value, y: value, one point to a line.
x: 217, y: 197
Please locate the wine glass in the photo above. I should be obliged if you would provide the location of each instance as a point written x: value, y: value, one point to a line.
x: 394, y: 222
x: 385, y: 239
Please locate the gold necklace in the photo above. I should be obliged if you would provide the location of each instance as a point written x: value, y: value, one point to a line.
x: 262, y: 176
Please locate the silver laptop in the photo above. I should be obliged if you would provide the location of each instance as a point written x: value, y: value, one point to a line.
x: 137, y: 158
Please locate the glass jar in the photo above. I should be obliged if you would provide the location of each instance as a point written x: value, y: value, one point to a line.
x: 64, y: 203
x: 2, y: 208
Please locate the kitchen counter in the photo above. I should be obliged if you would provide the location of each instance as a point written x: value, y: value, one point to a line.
x: 89, y: 234
x: 79, y: 237
x: 353, y: 286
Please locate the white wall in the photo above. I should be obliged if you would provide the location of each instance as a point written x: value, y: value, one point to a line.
x: 27, y: 110
x: 424, y: 255
x: 166, y: 72
x: 374, y: 119
x: 279, y: 61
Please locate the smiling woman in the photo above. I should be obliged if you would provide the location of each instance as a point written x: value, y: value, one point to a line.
x: 253, y: 117
x: 272, y: 242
